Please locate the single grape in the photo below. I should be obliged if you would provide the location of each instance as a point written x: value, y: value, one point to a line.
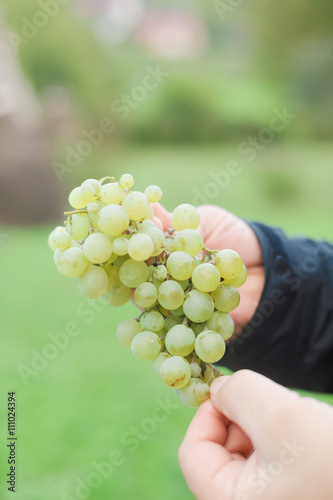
x: 229, y: 263
x: 201, y: 391
x: 112, y: 193
x: 187, y: 396
x: 127, y: 330
x: 157, y: 363
x: 97, y: 248
x: 136, y: 205
x: 154, y: 321
x: 209, y: 375
x: 160, y: 273
x: 171, y: 321
x: 175, y: 372
x: 132, y: 273
x: 222, y: 323
x: 239, y: 281
x: 62, y: 240
x: 170, y: 295
x: 169, y: 245
x: 126, y: 181
x: 94, y: 282
x: 195, y: 370
x: 198, y: 306
x: 185, y: 217
x: 72, y: 262
x: 93, y: 208
x: 145, y: 295
x: 140, y: 247
x: 51, y: 239
x: 146, y: 346
x: 178, y: 312
x: 118, y: 294
x: 120, y: 245
x: 120, y: 260
x: 180, y: 265
x: 210, y: 346
x: 95, y: 184
x: 206, y: 277
x: 180, y: 340
x: 57, y: 254
x: 226, y: 298
x: 78, y: 227
x: 112, y: 220
x: 198, y: 328
x: 80, y: 197
x: 153, y: 193
x: 189, y: 241
x: 184, y: 284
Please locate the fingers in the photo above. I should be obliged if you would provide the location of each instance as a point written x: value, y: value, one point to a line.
x: 202, y: 455
x: 163, y: 215
x: 257, y: 405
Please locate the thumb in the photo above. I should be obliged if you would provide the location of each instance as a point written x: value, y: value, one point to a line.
x: 257, y: 405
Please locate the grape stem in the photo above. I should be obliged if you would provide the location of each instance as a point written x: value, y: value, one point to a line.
x: 70, y: 214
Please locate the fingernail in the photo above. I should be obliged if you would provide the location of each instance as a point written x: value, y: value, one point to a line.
x: 217, y: 384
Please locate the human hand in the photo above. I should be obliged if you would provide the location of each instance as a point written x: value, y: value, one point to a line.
x: 221, y: 229
x: 292, y: 439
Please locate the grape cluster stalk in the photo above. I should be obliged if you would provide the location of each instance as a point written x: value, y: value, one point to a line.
x: 185, y: 291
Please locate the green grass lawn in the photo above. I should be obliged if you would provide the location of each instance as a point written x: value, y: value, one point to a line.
x: 81, y: 407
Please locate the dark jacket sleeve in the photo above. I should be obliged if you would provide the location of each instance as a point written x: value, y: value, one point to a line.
x: 290, y: 337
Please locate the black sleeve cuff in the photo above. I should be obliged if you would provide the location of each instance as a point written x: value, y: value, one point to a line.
x: 290, y: 337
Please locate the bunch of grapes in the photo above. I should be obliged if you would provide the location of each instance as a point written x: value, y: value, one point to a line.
x: 185, y: 291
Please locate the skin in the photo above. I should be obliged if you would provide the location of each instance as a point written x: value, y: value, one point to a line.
x: 253, y: 439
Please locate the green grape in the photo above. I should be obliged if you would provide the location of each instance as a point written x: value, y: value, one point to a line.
x: 78, y: 227
x: 72, y: 262
x: 97, y: 248
x: 118, y: 294
x: 185, y: 217
x: 160, y: 273
x: 119, y: 261
x: 126, y: 181
x: 136, y: 205
x: 170, y: 295
x: 157, y: 363
x: 206, y: 278
x: 180, y: 340
x: 187, y: 396
x: 75, y: 244
x: 120, y: 245
x: 156, y: 282
x: 95, y: 184
x: 222, y: 323
x: 198, y: 328
x: 62, y: 240
x: 175, y: 372
x: 201, y: 391
x: 229, y: 263
x: 127, y: 330
x: 158, y: 239
x: 57, y: 254
x: 180, y: 265
x: 145, y: 295
x: 94, y: 282
x: 146, y: 346
x: 209, y: 375
x: 184, y: 284
x: 210, y: 346
x: 112, y: 220
x: 52, y: 237
x: 189, y: 241
x: 146, y: 224
x: 153, y: 193
x: 112, y: 193
x: 169, y: 245
x: 80, y: 197
x: 226, y: 298
x: 178, y: 312
x: 171, y: 321
x: 93, y: 208
x: 163, y: 311
x: 154, y: 321
x: 132, y: 273
x: 239, y: 281
x: 140, y: 247
x: 195, y: 370
x: 198, y: 306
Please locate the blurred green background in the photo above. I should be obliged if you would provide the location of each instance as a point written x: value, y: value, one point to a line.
x: 230, y: 69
